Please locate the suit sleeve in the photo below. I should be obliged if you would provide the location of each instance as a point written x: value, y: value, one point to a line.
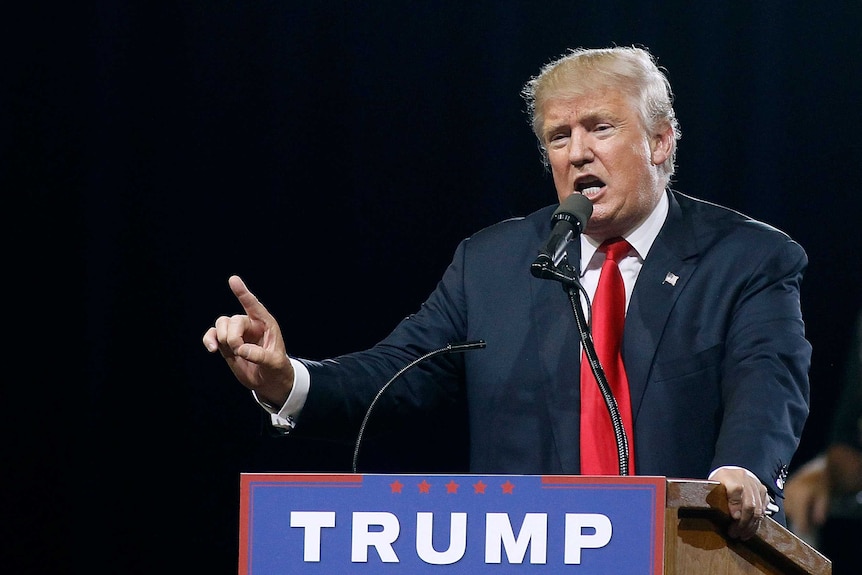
x: 765, y: 389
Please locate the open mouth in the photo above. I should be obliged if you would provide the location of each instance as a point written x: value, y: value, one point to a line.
x: 589, y: 186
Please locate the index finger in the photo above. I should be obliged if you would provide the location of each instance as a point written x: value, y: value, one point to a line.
x: 252, y: 306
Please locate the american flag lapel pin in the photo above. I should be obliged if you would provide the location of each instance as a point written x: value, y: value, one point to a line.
x: 670, y: 278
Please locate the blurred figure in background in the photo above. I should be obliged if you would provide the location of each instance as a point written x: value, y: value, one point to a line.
x: 823, y: 499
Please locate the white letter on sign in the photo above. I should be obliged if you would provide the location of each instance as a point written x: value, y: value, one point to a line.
x: 382, y: 540
x: 425, y: 535
x: 498, y: 533
x: 575, y: 538
x: 312, y: 522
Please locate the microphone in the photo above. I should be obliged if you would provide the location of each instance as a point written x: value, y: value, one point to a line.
x: 568, y: 221
x: 450, y: 348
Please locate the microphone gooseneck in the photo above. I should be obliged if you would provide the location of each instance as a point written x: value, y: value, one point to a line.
x: 449, y: 348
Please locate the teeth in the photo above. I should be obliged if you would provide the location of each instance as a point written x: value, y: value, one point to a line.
x: 591, y: 191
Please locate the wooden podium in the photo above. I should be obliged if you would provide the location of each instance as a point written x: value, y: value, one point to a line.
x: 696, y: 520
x: 652, y: 525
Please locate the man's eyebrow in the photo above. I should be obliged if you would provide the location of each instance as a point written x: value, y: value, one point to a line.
x: 552, y: 129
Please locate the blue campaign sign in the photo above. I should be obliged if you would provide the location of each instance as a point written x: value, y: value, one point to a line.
x: 312, y: 524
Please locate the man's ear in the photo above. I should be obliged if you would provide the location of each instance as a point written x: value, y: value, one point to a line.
x: 661, y: 145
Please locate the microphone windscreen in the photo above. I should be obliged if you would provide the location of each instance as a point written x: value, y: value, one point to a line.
x: 575, y: 207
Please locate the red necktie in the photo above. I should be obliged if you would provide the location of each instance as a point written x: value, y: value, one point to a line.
x: 599, y: 454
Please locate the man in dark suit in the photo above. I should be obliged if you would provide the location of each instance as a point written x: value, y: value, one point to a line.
x: 713, y: 348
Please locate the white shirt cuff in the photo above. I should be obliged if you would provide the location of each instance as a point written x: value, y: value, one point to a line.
x: 285, y: 416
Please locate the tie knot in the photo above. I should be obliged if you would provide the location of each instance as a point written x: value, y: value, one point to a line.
x: 615, y: 248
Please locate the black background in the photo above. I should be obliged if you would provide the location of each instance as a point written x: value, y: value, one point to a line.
x: 333, y: 155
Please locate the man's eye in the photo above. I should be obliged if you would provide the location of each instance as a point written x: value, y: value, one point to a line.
x: 556, y: 140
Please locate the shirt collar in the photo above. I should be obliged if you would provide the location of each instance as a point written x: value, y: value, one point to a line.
x: 641, y: 237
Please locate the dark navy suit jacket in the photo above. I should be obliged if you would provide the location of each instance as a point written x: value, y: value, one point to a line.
x: 717, y: 359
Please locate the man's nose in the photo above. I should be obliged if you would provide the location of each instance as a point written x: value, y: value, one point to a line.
x: 580, y: 151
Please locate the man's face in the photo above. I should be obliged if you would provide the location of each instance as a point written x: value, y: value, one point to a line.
x: 598, y: 146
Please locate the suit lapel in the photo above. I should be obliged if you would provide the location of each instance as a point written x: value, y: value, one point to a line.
x: 666, y: 271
